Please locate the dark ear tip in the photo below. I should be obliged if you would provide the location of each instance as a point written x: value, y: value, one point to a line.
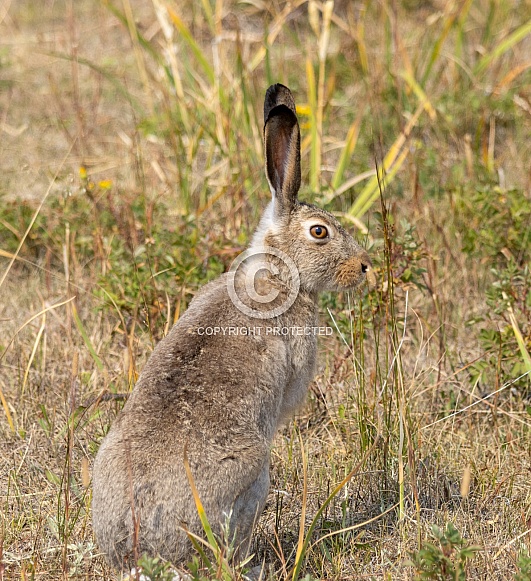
x: 278, y: 95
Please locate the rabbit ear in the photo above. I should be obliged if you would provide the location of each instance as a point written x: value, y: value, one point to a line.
x: 282, y: 146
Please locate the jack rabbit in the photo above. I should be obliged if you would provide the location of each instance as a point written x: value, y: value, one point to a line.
x: 233, y: 368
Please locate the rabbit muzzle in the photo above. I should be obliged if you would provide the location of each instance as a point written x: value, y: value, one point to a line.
x: 354, y: 271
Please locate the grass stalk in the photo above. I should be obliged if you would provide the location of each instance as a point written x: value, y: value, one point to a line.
x: 520, y: 340
x: 121, y: 90
x: 33, y: 351
x: 315, y: 159
x: 448, y: 23
x: 302, y: 550
x: 212, y: 541
x: 139, y: 55
x: 346, y: 153
x: 302, y: 525
x: 9, y: 417
x: 86, y: 338
x: 30, y: 320
x: 34, y: 217
x: 370, y: 192
x: 360, y: 40
x: 392, y: 162
x: 324, y: 40
x: 188, y: 38
x: 274, y: 30
x: 161, y: 11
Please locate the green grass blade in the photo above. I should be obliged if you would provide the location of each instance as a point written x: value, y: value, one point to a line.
x: 199, y: 506
x: 461, y: 34
x: 419, y: 92
x: 214, y: 545
x: 520, y: 340
x: 194, y: 46
x: 371, y: 191
x: 314, y: 146
x: 448, y: 23
x: 209, y: 15
x: 392, y: 162
x: 347, y: 151
x: 505, y: 45
x: 145, y: 44
x: 301, y: 551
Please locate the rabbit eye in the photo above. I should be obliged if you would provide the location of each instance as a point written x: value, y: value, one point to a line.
x: 319, y: 232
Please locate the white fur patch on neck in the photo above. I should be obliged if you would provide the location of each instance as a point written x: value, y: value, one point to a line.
x: 266, y: 226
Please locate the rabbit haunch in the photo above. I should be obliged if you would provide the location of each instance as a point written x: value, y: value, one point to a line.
x: 219, y: 399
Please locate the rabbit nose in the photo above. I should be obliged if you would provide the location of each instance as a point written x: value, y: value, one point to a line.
x: 365, y: 261
x: 366, y: 269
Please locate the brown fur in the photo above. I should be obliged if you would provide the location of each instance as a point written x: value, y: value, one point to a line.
x: 222, y: 397
x: 350, y: 272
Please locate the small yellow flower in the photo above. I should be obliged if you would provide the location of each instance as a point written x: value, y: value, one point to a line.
x: 105, y: 184
x: 82, y: 172
x: 304, y: 110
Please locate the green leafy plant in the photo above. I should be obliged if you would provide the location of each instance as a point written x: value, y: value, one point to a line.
x: 447, y: 559
x: 154, y: 569
x: 507, y: 338
x: 495, y: 222
x: 495, y: 226
x: 408, y: 256
x: 524, y: 567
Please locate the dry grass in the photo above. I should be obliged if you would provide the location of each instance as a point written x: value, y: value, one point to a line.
x: 396, y: 389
